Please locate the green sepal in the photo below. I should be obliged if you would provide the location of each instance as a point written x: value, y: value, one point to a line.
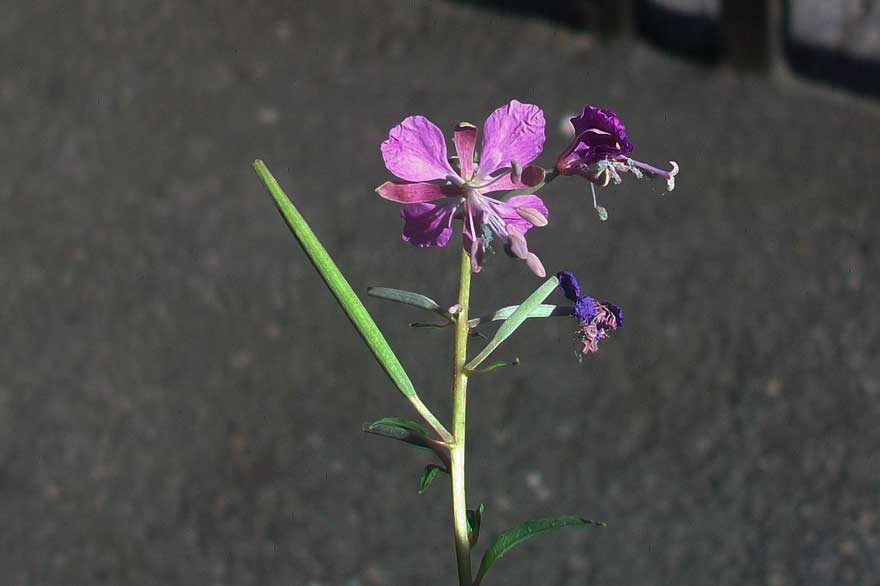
x: 405, y: 430
x: 516, y: 319
x: 474, y: 518
x: 428, y: 475
x: 515, y: 536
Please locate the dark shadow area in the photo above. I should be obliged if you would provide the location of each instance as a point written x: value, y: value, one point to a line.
x: 563, y: 12
x: 691, y: 36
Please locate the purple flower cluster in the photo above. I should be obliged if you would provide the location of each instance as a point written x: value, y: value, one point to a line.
x: 491, y: 189
x: 596, y: 319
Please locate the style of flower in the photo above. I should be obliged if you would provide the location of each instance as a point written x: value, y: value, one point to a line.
x: 596, y: 319
x: 600, y: 152
x: 433, y: 193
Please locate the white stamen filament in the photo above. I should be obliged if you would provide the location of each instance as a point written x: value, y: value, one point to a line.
x: 493, y: 182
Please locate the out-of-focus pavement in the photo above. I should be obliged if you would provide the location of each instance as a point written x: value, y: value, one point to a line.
x: 181, y: 399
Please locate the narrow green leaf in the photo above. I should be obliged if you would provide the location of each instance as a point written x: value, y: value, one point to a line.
x: 496, y: 364
x: 428, y: 475
x: 407, y: 298
x: 403, y: 423
x: 539, y: 311
x: 347, y: 299
x: 520, y: 533
x: 405, y: 430
x: 337, y: 284
x: 474, y: 518
x: 515, y: 320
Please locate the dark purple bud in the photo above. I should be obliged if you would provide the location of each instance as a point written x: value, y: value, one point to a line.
x: 569, y: 285
x: 598, y: 135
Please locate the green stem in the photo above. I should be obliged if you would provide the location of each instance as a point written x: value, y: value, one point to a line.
x: 459, y: 417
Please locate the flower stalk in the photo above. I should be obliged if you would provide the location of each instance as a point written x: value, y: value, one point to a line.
x: 459, y: 425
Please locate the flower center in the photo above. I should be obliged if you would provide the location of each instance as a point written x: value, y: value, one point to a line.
x: 481, y: 212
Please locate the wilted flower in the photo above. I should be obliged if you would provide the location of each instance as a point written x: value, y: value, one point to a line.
x: 600, y: 152
x: 434, y: 193
x: 595, y: 318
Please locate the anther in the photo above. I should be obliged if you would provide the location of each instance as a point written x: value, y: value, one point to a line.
x: 532, y: 215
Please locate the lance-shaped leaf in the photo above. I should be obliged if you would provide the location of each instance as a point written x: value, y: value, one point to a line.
x: 541, y: 310
x: 428, y: 475
x: 410, y: 432
x: 346, y: 297
x: 520, y: 533
x: 474, y: 519
x: 515, y: 320
x: 407, y: 298
x: 405, y: 430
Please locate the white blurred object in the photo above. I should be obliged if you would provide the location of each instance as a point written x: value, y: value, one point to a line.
x: 849, y: 25
x: 707, y: 8
x: 565, y: 128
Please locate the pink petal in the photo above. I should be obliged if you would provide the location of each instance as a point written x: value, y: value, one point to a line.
x: 503, y: 183
x: 416, y: 151
x: 427, y: 224
x: 532, y: 215
x: 531, y: 201
x: 415, y: 192
x: 465, y: 138
x: 531, y: 176
x: 514, y: 132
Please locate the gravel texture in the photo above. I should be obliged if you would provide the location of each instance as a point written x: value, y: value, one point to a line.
x: 181, y: 399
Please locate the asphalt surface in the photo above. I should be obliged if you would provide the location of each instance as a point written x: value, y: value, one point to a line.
x: 181, y: 399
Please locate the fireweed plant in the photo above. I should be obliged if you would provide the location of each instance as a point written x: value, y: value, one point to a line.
x: 488, y: 196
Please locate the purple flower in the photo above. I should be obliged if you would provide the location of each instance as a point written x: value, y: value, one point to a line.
x: 433, y: 193
x: 596, y: 319
x: 600, y: 152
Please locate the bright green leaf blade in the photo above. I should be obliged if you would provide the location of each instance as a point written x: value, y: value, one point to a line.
x: 515, y: 320
x: 340, y: 288
x: 406, y: 297
x: 474, y: 519
x: 520, y: 533
x: 428, y: 476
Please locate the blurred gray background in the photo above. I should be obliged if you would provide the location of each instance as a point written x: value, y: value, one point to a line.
x: 181, y: 399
